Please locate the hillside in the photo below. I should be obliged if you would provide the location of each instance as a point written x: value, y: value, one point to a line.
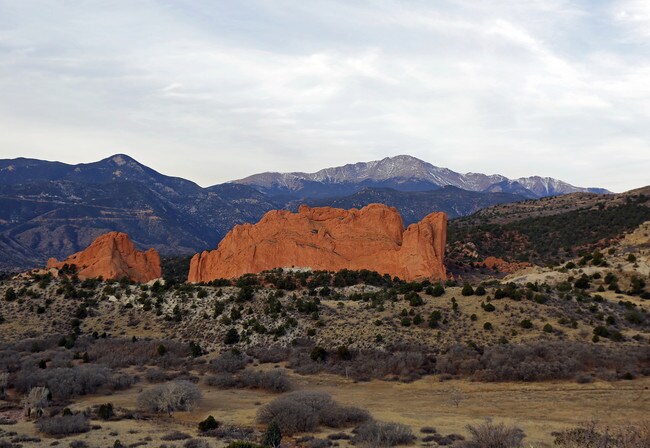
x: 415, y: 205
x: 50, y: 209
x: 566, y: 339
x: 547, y: 230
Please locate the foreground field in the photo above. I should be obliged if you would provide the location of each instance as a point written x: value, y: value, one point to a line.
x: 538, y: 408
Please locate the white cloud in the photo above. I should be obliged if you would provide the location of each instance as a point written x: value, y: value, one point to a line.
x: 218, y: 90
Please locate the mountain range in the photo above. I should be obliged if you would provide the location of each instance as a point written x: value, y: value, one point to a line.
x: 52, y: 209
x: 404, y: 173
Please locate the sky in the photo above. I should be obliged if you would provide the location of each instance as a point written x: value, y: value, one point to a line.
x: 214, y: 90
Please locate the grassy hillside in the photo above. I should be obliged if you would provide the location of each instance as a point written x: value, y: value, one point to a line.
x: 549, y: 230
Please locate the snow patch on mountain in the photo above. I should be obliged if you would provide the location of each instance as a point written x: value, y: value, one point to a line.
x: 405, y: 169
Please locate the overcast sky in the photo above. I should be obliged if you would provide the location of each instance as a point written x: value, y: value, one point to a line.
x: 217, y: 90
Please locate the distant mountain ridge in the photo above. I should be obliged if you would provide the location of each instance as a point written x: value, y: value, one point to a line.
x: 405, y: 173
x: 53, y: 209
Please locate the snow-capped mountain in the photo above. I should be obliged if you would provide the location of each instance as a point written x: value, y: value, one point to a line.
x: 405, y: 173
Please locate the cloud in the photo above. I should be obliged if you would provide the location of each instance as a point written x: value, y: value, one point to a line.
x: 213, y: 91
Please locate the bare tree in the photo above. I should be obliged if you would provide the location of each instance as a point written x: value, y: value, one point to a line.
x: 35, y: 401
x: 4, y: 379
x: 456, y: 396
x: 170, y: 397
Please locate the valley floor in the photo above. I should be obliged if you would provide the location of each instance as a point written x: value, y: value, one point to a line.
x: 538, y: 408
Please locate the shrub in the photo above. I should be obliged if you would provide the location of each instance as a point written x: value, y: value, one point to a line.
x: 414, y: 299
x: 380, y: 434
x: 272, y: 436
x: 4, y: 379
x: 222, y: 380
x: 548, y: 328
x: 175, y: 435
x: 230, y: 362
x: 10, y: 295
x: 241, y: 444
x: 303, y: 411
x: 438, y: 290
x: 65, y: 382
x: 63, y: 424
x: 232, y: 337
x: 105, y: 411
x: 290, y: 415
x: 488, y: 435
x: 35, y: 401
x: 208, y: 424
x: 591, y: 434
x: 170, y: 397
x: 467, y: 290
x: 318, y: 354
x: 196, y: 443
x: 274, y: 380
x: 526, y: 323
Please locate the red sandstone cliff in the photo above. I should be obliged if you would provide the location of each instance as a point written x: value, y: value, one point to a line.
x: 113, y: 256
x: 329, y: 239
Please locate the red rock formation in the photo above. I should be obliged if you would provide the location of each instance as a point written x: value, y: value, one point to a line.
x: 329, y: 239
x: 501, y: 265
x: 113, y: 256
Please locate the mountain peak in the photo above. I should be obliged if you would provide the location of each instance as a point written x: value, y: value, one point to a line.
x: 402, y: 172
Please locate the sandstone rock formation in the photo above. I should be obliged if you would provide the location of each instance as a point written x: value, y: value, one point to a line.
x: 113, y: 256
x: 499, y: 264
x: 330, y: 239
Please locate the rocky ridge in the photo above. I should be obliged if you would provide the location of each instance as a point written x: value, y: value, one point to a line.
x: 113, y: 256
x: 332, y: 239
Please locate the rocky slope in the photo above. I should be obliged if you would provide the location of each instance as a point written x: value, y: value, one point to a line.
x: 329, y: 239
x: 113, y: 256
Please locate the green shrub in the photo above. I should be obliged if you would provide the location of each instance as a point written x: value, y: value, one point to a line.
x: 437, y: 290
x: 232, y: 337
x: 526, y: 323
x: 414, y: 299
x: 272, y: 436
x: 467, y: 290
x: 105, y: 411
x: 318, y: 354
x: 10, y: 295
x: 208, y: 424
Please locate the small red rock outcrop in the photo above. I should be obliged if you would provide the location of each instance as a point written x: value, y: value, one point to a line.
x: 499, y: 264
x: 330, y: 239
x: 113, y: 256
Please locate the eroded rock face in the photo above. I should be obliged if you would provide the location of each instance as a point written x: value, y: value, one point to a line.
x: 330, y: 239
x: 113, y: 256
x: 498, y: 264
